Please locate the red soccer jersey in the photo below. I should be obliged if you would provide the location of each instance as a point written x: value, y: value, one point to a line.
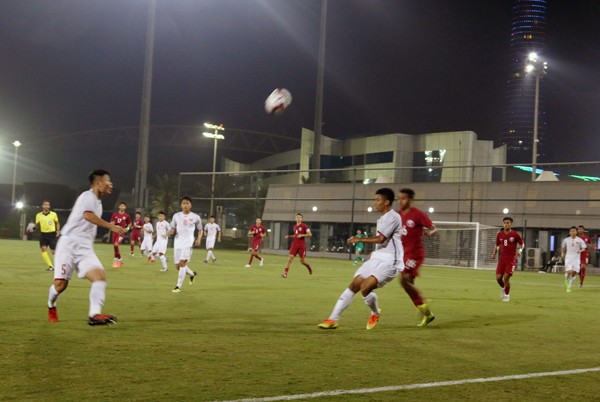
x: 137, y: 226
x: 588, y: 241
x: 258, y: 231
x: 300, y: 229
x: 508, y: 244
x: 413, y: 223
x: 120, y: 219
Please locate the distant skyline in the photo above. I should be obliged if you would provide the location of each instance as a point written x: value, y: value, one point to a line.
x: 391, y: 66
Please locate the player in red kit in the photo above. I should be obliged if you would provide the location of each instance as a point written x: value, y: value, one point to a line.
x: 298, y: 247
x: 509, y: 243
x: 257, y: 231
x: 415, y: 225
x: 585, y: 254
x: 136, y: 232
x: 122, y: 219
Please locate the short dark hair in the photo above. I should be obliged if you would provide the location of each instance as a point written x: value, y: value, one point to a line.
x: 147, y: 215
x: 212, y: 216
x: 138, y: 213
x: 161, y: 213
x: 298, y: 213
x: 185, y: 198
x: 97, y: 173
x: 46, y: 200
x: 387, y: 193
x: 408, y: 191
x: 581, y: 226
x: 507, y: 218
x: 573, y: 227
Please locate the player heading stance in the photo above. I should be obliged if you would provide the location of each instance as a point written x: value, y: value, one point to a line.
x: 122, y: 219
x: 75, y: 250
x: 49, y: 231
x: 257, y: 231
x: 146, y: 247
x: 298, y: 247
x: 585, y: 254
x: 570, y: 252
x: 509, y: 243
x: 162, y: 238
x: 183, y: 225
x: 212, y: 231
x: 359, y: 247
x: 384, y: 265
x: 415, y: 225
x: 136, y: 233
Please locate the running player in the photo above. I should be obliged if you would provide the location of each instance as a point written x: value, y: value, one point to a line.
x: 509, y: 243
x: 585, y: 254
x: 571, y: 250
x: 162, y: 238
x: 359, y: 247
x: 298, y: 247
x: 146, y: 247
x: 212, y: 231
x: 75, y: 250
x: 49, y: 231
x: 120, y: 218
x: 183, y: 225
x: 384, y: 264
x: 136, y: 233
x: 257, y: 231
x: 415, y: 224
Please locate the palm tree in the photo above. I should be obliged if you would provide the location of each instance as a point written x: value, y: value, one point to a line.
x: 164, y: 194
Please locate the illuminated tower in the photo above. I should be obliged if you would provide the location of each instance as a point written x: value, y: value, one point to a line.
x: 528, y: 34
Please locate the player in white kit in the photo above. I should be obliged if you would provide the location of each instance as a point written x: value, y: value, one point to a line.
x: 183, y: 225
x: 384, y: 264
x: 148, y: 231
x: 75, y: 250
x: 571, y: 249
x: 212, y: 231
x: 162, y: 238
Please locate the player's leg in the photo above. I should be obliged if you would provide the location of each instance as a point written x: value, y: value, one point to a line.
x: 506, y: 280
x: 582, y: 273
x: 44, y: 249
x: 287, y: 265
x: 302, y: 254
x: 342, y: 303
x: 97, y: 277
x: 500, y: 277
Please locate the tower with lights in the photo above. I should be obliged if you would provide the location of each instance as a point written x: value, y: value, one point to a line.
x: 528, y: 34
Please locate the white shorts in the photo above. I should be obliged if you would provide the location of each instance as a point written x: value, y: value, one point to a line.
x: 74, y: 255
x: 573, y: 263
x: 146, y: 243
x: 160, y: 246
x: 210, y: 243
x: 383, y: 271
x: 182, y: 254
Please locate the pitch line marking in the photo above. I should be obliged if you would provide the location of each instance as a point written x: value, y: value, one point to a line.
x: 416, y: 386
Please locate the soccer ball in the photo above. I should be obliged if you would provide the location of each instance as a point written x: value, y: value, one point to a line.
x: 278, y: 101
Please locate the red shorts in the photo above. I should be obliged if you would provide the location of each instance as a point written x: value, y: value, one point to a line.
x: 298, y: 249
x: 585, y: 259
x: 118, y: 238
x: 412, y: 265
x: 506, y: 267
x: 256, y: 243
x: 136, y: 236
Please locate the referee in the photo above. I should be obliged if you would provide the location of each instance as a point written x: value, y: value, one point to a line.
x: 49, y: 231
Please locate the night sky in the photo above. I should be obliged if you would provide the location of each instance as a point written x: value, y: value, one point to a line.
x: 408, y: 66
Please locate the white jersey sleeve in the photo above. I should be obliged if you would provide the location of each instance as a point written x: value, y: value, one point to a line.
x: 76, y: 225
x: 389, y: 225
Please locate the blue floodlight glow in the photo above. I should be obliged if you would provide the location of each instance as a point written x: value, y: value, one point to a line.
x: 585, y: 178
x: 529, y: 169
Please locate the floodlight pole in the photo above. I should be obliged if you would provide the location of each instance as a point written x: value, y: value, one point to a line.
x: 216, y: 137
x: 315, y: 177
x: 535, y: 127
x: 16, y: 144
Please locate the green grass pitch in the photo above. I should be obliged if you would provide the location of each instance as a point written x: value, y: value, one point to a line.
x: 247, y: 333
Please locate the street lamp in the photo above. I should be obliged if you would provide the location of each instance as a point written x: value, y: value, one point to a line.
x: 216, y: 136
x: 538, y: 67
x: 16, y: 144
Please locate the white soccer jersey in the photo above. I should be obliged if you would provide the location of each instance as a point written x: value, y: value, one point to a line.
x: 184, y: 226
x: 148, y: 230
x: 390, y: 226
x: 572, y: 246
x: 76, y: 225
x: 162, y: 228
x: 211, y: 230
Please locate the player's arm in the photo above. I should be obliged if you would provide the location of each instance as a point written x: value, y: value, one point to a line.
x: 430, y: 230
x: 372, y: 240
x: 96, y: 220
x: 57, y: 223
x: 219, y: 237
x: 307, y: 234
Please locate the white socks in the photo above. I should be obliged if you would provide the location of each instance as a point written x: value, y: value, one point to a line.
x: 371, y: 301
x: 52, y: 296
x: 97, y: 295
x: 181, y: 276
x: 163, y: 261
x: 343, y: 302
x: 209, y: 255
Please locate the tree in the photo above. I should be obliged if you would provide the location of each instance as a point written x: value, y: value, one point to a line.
x: 164, y: 194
